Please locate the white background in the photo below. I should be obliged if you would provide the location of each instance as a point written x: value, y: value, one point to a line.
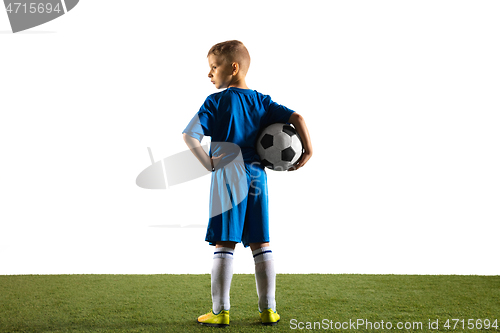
x: 401, y: 99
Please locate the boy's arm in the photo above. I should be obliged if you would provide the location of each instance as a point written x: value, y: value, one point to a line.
x: 195, y: 147
x: 300, y: 125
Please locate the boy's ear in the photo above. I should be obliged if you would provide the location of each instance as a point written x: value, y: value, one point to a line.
x: 236, y: 68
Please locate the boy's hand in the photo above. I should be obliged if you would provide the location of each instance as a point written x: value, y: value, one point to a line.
x: 301, y: 162
x: 216, y: 160
x: 210, y: 163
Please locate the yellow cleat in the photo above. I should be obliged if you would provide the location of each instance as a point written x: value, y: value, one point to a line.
x: 269, y: 317
x: 216, y: 320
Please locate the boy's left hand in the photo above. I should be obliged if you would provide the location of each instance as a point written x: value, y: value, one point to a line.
x: 301, y: 162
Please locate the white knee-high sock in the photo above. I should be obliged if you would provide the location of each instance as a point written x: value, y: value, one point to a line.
x: 265, y: 278
x: 222, y: 274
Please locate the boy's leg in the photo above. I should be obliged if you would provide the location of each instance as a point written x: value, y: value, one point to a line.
x: 222, y: 274
x: 265, y: 279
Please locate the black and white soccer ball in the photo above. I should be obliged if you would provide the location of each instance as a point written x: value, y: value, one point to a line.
x: 279, y: 146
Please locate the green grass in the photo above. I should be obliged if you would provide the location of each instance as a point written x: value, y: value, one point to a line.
x: 171, y: 303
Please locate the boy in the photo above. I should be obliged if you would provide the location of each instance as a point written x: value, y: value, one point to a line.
x: 236, y: 115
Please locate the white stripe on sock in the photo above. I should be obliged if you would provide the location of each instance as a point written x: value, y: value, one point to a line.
x: 223, y: 252
x: 262, y: 254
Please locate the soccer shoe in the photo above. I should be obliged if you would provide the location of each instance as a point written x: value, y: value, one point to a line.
x: 216, y: 320
x: 269, y: 317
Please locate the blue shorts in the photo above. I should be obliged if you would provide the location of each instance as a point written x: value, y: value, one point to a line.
x: 239, y: 209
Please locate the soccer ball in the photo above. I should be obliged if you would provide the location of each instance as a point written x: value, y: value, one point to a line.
x: 279, y: 146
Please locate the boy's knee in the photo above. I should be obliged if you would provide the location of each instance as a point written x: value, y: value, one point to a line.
x: 230, y: 245
x: 255, y: 246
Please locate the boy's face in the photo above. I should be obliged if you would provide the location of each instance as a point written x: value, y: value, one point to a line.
x: 221, y: 72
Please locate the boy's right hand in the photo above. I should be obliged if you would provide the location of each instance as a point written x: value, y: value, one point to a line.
x: 217, y: 160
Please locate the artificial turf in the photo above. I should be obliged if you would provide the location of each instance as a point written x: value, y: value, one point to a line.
x: 171, y: 303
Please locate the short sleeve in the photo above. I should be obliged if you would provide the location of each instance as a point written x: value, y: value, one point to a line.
x: 201, y: 124
x: 277, y: 113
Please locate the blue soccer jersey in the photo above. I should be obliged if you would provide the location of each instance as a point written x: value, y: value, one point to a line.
x: 236, y: 116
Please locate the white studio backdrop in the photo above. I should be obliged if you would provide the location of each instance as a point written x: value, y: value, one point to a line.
x: 401, y: 101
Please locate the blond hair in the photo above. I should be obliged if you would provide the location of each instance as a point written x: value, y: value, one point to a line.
x: 232, y: 51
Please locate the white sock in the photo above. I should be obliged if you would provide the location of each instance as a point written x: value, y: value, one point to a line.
x: 222, y: 274
x: 265, y: 278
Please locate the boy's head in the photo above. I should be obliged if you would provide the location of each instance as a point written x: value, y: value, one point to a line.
x: 229, y: 62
